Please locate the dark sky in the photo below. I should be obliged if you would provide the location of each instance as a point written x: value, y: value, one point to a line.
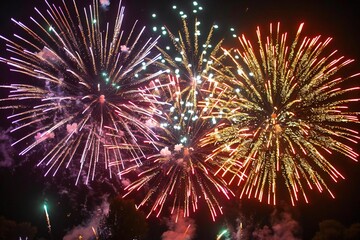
x: 329, y: 18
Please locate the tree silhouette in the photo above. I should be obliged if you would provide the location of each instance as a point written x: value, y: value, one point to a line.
x: 334, y: 230
x: 123, y: 222
x: 353, y: 232
x: 11, y: 230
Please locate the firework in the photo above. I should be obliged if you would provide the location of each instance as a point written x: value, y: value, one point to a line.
x: 285, y: 111
x: 177, y: 175
x: 84, y: 88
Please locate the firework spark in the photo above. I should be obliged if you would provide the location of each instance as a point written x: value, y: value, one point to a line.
x: 286, y: 112
x: 84, y: 88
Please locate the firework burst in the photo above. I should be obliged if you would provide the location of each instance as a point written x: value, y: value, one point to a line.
x: 178, y: 175
x: 84, y: 88
x: 285, y: 112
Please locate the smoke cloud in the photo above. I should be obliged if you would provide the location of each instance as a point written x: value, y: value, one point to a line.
x: 180, y: 228
x: 87, y: 230
x: 105, y: 3
x: 125, y: 182
x: 6, y: 151
x: 283, y: 227
x: 48, y: 55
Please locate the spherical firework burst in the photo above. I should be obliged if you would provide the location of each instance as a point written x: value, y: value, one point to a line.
x: 286, y: 112
x: 179, y: 174
x: 84, y: 88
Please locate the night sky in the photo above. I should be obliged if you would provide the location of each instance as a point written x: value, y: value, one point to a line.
x: 23, y: 189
